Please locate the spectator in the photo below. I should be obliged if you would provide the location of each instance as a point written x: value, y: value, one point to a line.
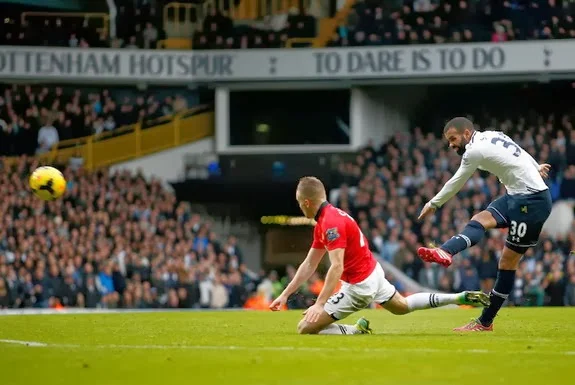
x: 150, y: 35
x: 47, y: 138
x: 219, y: 295
x: 429, y: 276
x: 499, y: 35
x: 73, y: 113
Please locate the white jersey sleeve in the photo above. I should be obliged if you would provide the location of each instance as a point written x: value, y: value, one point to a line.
x: 469, y: 163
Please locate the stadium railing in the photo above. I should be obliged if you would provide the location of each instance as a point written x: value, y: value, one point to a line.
x: 257, y: 9
x: 103, y: 17
x: 182, y: 19
x: 132, y: 141
x: 175, y: 43
x: 299, y: 42
x: 328, y: 26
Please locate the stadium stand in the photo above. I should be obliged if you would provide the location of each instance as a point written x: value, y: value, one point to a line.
x: 119, y: 241
x: 114, y: 241
x: 69, y: 253
x: 34, y: 119
x: 378, y: 22
x: 383, y: 188
x: 273, y: 24
x: 163, y: 24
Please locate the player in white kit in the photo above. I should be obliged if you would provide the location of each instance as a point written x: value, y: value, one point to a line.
x: 523, y: 210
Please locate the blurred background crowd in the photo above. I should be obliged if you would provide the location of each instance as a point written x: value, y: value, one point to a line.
x: 119, y: 240
x: 140, y: 24
x: 33, y: 118
x: 381, y: 22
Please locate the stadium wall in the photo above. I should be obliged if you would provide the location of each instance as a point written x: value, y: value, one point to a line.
x: 167, y: 165
x: 376, y: 113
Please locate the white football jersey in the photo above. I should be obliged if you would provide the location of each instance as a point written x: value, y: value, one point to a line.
x: 495, y: 152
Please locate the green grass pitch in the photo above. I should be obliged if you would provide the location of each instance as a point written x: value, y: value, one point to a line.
x: 529, y: 346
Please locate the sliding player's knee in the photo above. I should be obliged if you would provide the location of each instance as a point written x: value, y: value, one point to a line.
x: 397, y: 305
x: 486, y: 219
x: 306, y: 328
x: 401, y: 309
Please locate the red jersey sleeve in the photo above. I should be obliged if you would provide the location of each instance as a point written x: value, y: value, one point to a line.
x: 335, y: 235
x: 317, y: 243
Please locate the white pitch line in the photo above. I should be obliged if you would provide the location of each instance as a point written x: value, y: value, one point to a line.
x: 27, y: 343
x: 37, y: 344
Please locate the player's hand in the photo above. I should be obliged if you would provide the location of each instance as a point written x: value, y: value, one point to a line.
x: 544, y: 170
x: 313, y: 313
x: 279, y: 302
x: 427, y: 210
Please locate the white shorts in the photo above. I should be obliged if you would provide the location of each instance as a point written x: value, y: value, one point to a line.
x: 353, y: 298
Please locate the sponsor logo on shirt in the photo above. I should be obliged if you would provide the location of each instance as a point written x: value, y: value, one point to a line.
x: 331, y: 234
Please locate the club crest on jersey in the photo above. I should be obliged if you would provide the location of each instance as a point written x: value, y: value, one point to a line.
x: 331, y: 234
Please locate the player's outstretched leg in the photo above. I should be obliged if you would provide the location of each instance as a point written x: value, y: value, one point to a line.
x: 399, y: 304
x: 470, y: 236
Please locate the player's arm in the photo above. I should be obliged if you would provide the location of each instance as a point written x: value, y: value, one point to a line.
x: 469, y: 164
x: 333, y: 275
x: 335, y: 243
x: 305, y: 270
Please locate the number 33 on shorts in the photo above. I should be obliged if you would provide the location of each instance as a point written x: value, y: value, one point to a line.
x: 334, y: 299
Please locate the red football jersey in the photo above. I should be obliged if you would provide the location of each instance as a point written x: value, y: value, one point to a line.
x: 335, y: 229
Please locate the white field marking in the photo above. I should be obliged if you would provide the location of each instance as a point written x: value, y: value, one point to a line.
x: 27, y: 343
x: 279, y: 348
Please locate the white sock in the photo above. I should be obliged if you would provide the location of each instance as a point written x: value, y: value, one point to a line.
x: 340, y: 329
x: 422, y: 301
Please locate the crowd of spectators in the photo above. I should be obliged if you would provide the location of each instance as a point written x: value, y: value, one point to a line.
x: 113, y: 241
x: 139, y: 24
x: 121, y: 241
x: 386, y: 187
x: 219, y: 32
x: 383, y: 22
x: 33, y: 119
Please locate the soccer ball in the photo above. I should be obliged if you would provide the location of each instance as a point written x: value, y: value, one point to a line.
x: 47, y: 183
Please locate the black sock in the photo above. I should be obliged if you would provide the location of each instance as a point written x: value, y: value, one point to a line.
x: 502, y: 289
x: 471, y: 235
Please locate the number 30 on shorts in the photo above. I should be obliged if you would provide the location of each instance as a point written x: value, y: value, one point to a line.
x: 518, y: 229
x: 334, y: 299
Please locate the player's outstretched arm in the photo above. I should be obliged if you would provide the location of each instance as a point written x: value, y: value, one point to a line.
x: 304, y: 271
x: 331, y: 279
x: 469, y: 164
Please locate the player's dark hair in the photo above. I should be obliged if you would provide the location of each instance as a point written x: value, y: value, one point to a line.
x: 460, y: 124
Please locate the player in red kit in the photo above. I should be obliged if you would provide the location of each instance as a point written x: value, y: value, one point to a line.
x: 363, y: 278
